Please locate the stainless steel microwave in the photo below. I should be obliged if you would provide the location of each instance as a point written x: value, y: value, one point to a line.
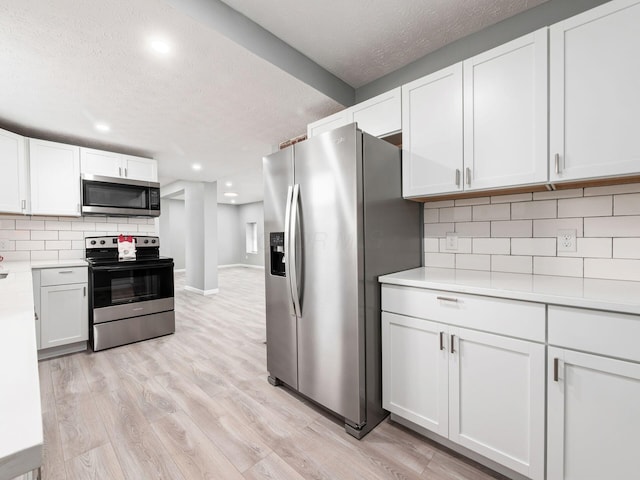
x: 119, y: 197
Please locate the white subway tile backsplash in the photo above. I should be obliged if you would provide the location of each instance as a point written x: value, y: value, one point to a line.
x: 626, y: 248
x: 566, y: 267
x: 518, y: 197
x: 30, y: 245
x: 17, y: 234
x: 16, y: 256
x: 84, y: 226
x: 10, y: 245
x: 591, y: 248
x: 492, y: 245
x: 71, y: 254
x: 613, y: 269
x: 473, y: 201
x: 533, y: 246
x: 500, y: 211
x: 511, y: 263
x: 585, y: 207
x: 554, y: 194
x: 612, y: 226
x: 531, y: 210
x: 58, y: 245
x: 113, y: 220
x: 512, y: 228
x: 77, y: 244
x: 431, y: 245
x: 443, y: 260
x: 549, y: 228
x: 57, y: 225
x: 473, y: 262
x: 126, y: 228
x: 147, y: 228
x: 44, y: 235
x: 612, y: 189
x: 627, y: 204
x: 29, y: 225
x: 431, y: 215
x: 455, y: 214
x: 7, y: 224
x: 464, y: 245
x: 70, y: 235
x: 437, y: 229
x: 473, y: 229
x: 439, y: 204
x: 44, y: 255
x: 102, y: 226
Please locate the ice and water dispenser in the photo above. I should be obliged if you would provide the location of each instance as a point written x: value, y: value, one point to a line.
x: 276, y: 253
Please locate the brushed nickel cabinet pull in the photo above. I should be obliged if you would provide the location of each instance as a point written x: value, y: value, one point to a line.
x: 24, y: 204
x: 119, y: 171
x: 555, y: 369
x: 441, y: 340
x: 125, y: 172
x: 447, y: 299
x: 468, y: 175
x: 66, y: 271
x: 457, y: 177
x: 453, y: 350
x: 557, y: 158
x: 84, y: 291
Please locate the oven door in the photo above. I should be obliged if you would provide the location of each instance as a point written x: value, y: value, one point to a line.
x: 128, y: 290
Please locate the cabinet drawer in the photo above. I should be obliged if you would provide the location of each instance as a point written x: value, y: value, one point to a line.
x: 606, y: 333
x: 496, y: 315
x: 63, y: 276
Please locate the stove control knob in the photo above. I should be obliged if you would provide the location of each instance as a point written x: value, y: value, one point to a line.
x: 102, y: 242
x: 93, y: 242
x: 146, y: 241
x: 153, y: 241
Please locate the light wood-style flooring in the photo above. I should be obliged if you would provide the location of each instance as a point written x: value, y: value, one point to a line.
x: 197, y: 404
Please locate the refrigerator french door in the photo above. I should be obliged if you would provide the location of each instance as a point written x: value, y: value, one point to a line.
x: 322, y: 297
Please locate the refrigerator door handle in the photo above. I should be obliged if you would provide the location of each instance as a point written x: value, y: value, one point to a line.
x: 293, y: 256
x: 287, y: 250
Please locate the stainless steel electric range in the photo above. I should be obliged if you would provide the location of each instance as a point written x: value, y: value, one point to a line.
x: 130, y: 300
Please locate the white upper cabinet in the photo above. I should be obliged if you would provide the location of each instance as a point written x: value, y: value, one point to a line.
x: 55, y: 178
x: 110, y: 164
x: 432, y: 134
x: 328, y: 123
x: 379, y: 116
x: 13, y: 181
x: 595, y: 93
x: 505, y: 114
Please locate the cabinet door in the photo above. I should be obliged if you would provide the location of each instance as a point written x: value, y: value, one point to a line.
x: 13, y: 179
x: 496, y: 399
x: 64, y: 315
x: 380, y: 115
x: 414, y: 371
x: 432, y: 133
x: 55, y: 178
x: 593, y: 419
x: 505, y: 114
x: 138, y: 168
x: 594, y: 94
x: 98, y: 162
x: 328, y: 123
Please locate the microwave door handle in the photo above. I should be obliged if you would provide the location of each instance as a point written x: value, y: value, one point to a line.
x: 287, y: 252
x: 293, y: 248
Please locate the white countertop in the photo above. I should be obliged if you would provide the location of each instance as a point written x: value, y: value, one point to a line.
x: 20, y: 411
x: 611, y: 295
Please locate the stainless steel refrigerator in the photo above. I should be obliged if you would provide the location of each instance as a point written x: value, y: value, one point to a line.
x: 334, y: 220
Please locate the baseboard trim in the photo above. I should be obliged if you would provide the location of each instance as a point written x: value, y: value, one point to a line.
x: 179, y: 270
x: 201, y: 292
x: 241, y: 265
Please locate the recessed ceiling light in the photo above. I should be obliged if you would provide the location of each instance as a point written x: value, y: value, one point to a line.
x: 230, y: 194
x: 233, y: 201
x: 102, y: 127
x: 196, y: 166
x: 160, y: 46
x: 228, y: 184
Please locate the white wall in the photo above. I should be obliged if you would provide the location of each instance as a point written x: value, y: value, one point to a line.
x: 251, y: 213
x: 177, y: 232
x: 518, y: 233
x: 230, y: 242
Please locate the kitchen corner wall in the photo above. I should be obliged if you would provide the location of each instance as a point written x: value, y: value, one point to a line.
x: 34, y: 238
x: 518, y: 233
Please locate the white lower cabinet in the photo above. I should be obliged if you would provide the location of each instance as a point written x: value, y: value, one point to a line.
x: 62, y: 309
x: 483, y: 391
x: 593, y: 420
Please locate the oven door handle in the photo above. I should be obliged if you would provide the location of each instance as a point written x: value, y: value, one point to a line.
x: 111, y: 268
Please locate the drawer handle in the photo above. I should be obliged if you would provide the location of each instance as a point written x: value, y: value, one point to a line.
x: 447, y: 299
x: 555, y: 369
x: 66, y: 271
x: 453, y: 350
x: 441, y: 340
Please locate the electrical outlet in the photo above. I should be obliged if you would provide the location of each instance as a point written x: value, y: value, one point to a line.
x: 451, y: 241
x: 566, y: 240
x: 4, y: 244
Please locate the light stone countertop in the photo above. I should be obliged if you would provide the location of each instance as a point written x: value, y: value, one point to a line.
x: 20, y: 410
x: 611, y: 295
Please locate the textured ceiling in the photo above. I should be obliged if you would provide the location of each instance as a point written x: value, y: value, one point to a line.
x: 67, y: 64
x: 361, y: 40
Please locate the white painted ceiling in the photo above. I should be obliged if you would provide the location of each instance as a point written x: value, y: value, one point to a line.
x: 67, y: 64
